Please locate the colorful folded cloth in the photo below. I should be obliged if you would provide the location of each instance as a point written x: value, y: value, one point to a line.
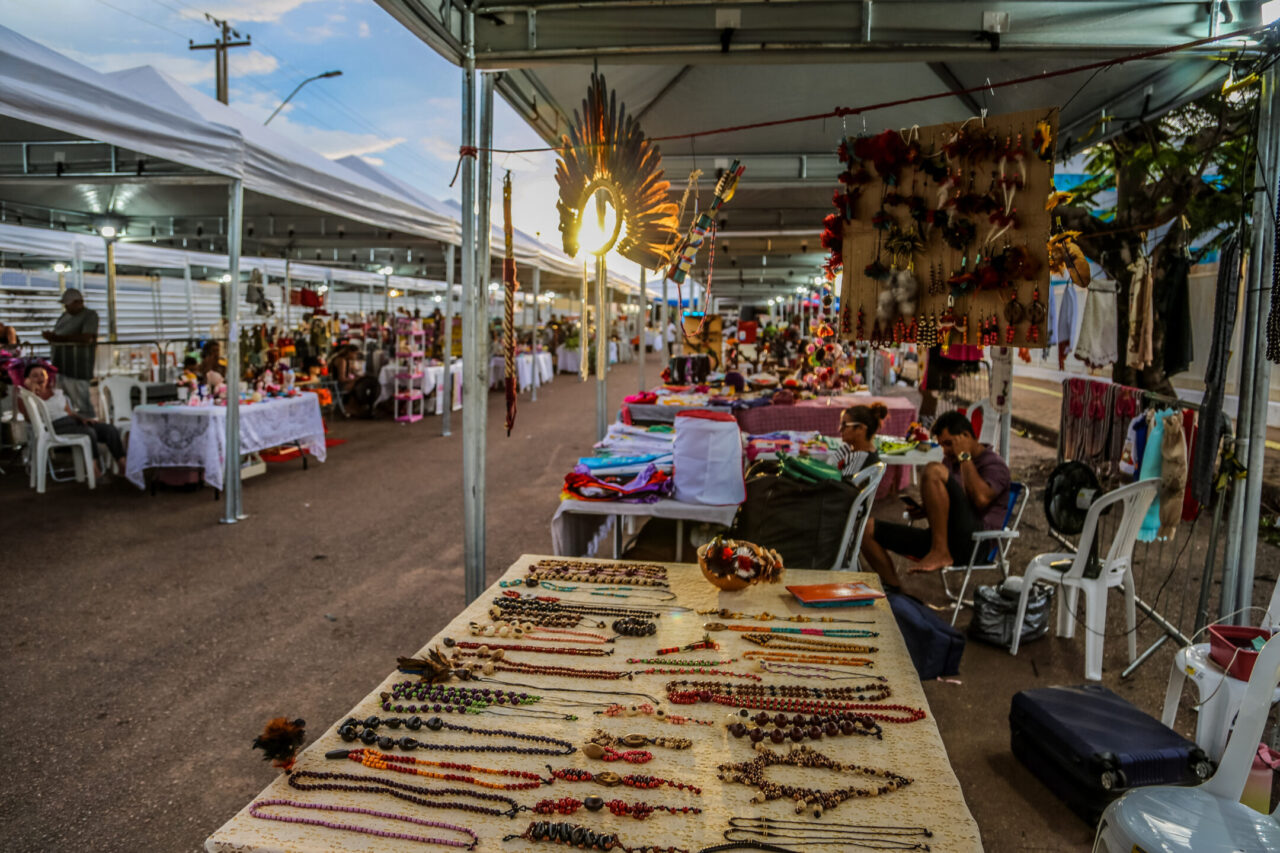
x: 649, y: 486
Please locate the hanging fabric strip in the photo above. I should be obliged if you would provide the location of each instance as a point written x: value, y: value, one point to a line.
x: 509, y: 288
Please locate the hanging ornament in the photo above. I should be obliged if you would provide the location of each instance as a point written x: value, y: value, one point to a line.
x: 509, y: 288
x: 605, y: 150
x: 1036, y: 314
x: 683, y: 255
x: 860, y: 333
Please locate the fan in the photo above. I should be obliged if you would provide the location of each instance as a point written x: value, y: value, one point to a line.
x: 1068, y: 495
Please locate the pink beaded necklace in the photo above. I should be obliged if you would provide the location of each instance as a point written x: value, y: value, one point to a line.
x: 255, y: 811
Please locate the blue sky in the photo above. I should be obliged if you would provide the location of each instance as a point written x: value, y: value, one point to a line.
x: 397, y: 103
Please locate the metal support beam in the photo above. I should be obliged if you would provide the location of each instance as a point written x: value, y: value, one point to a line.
x: 602, y: 349
x: 642, y: 320
x: 537, y: 311
x: 233, y: 509
x: 1255, y: 394
x: 474, y: 341
x: 446, y: 351
x: 112, y: 320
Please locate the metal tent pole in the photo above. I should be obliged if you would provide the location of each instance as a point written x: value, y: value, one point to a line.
x: 665, y: 321
x: 191, y: 307
x: 233, y: 510
x: 111, y: 290
x: 288, y: 289
x: 602, y: 349
x: 537, y: 379
x: 642, y: 320
x: 1257, y: 392
x: 446, y: 351
x: 473, y: 426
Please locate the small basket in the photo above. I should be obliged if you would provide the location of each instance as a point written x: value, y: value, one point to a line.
x: 731, y: 582
x: 1230, y: 647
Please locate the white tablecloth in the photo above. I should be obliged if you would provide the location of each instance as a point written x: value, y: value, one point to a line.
x: 578, y: 526
x: 568, y: 360
x: 433, y: 382
x: 524, y: 371
x: 195, y: 436
x: 546, y: 369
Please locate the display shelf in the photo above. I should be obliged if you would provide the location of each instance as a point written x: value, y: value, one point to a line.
x: 409, y: 395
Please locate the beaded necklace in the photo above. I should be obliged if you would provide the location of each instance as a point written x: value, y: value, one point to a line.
x: 415, y: 794
x: 255, y: 810
x: 798, y: 727
x: 808, y: 671
x: 524, y: 606
x: 631, y: 574
x: 584, y: 838
x: 376, y: 760
x: 848, y: 633
x: 792, y: 699
x: 743, y: 830
x: 658, y: 714
x: 603, y: 738
x: 369, y: 736
x: 529, y: 631
x: 609, y: 591
x: 807, y: 644
x: 445, y: 698
x: 619, y: 808
x: 653, y: 670
x: 666, y: 662
x: 609, y: 779
x: 507, y: 647
x: 793, y: 657
x: 752, y: 773
x: 725, y: 613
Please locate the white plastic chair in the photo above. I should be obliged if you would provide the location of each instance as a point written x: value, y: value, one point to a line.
x: 1208, y: 817
x: 990, y: 421
x: 43, y: 439
x: 115, y: 394
x: 1219, y: 695
x: 867, y: 481
x: 990, y: 548
x: 1116, y: 569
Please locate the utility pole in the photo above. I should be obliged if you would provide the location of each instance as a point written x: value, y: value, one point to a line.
x: 221, y: 46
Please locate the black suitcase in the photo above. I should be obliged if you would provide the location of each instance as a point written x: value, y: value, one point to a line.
x: 1089, y: 746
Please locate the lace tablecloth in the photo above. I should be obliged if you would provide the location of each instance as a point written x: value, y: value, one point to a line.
x: 524, y: 371
x: 195, y: 436
x: 933, y: 799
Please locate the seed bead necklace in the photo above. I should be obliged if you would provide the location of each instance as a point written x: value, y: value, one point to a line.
x: 525, y: 668
x: 808, y: 644
x: 548, y: 604
x: 792, y: 657
x: 659, y: 714
x: 875, y: 837
x: 688, y: 693
x: 807, y: 799
x: 697, y: 663
x: 632, y: 574
x: 610, y: 779
x: 603, y: 738
x: 725, y: 613
x: 507, y: 647
x: 256, y: 811
x: 584, y: 838
x: 619, y: 808
x: 847, y: 633
x: 529, y: 631
x: 376, y: 760
x: 415, y: 794
x: 801, y: 727
x: 369, y: 736
x: 653, y: 670
x: 808, y: 671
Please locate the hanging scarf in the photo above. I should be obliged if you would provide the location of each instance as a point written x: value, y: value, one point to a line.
x: 509, y: 287
x: 1225, y: 300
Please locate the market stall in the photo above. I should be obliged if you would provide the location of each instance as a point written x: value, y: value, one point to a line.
x: 822, y: 414
x: 184, y: 436
x: 918, y: 792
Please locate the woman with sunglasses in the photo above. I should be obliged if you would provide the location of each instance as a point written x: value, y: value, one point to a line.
x: 858, y: 427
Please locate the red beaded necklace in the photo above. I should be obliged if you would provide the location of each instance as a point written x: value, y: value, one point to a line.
x: 689, y: 693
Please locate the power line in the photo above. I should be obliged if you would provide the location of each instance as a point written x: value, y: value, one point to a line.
x: 140, y: 18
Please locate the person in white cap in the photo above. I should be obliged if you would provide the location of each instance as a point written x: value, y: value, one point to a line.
x: 74, y: 337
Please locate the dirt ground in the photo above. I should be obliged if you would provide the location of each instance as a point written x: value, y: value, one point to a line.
x: 143, y: 644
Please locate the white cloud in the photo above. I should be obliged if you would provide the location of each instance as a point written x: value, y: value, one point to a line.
x: 374, y: 161
x: 194, y: 70
x: 440, y: 148
x: 332, y: 143
x: 363, y: 30
x: 247, y: 11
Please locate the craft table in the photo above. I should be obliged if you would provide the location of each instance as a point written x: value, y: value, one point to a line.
x: 524, y: 371
x: 578, y: 526
x: 195, y: 436
x: 933, y: 799
x: 434, y: 379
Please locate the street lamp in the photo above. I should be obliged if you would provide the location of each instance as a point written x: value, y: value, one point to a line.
x: 296, y: 90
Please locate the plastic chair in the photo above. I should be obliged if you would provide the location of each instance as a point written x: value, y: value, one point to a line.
x: 116, y: 396
x: 867, y: 481
x: 1115, y: 569
x: 1219, y: 695
x: 1207, y: 817
x: 43, y: 440
x: 990, y: 421
x: 989, y: 546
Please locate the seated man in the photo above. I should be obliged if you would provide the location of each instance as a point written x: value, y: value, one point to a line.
x: 967, y: 492
x: 67, y: 421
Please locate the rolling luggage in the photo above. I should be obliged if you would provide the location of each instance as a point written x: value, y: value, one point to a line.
x: 1089, y: 746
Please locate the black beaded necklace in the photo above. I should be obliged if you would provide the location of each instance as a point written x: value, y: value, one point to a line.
x: 369, y: 736
x: 416, y: 794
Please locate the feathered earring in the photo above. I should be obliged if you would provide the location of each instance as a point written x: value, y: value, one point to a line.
x: 281, y: 740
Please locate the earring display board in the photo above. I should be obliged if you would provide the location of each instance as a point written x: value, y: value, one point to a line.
x: 942, y: 232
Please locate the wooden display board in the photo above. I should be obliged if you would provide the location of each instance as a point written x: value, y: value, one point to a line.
x: 709, y: 341
x: 987, y: 178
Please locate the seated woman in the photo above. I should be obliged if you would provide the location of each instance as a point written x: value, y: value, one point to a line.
x: 346, y: 366
x: 67, y: 422
x: 210, y: 361
x: 858, y: 427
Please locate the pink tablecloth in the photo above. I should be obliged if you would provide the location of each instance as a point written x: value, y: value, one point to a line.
x: 822, y: 414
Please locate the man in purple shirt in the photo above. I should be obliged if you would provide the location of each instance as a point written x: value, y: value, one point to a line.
x: 967, y: 492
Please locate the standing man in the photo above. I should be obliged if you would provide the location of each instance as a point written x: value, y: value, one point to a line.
x: 74, y: 337
x: 671, y: 338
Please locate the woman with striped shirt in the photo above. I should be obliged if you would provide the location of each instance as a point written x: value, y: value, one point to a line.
x: 858, y: 427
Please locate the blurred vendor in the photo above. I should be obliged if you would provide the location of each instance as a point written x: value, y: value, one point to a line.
x: 74, y: 338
